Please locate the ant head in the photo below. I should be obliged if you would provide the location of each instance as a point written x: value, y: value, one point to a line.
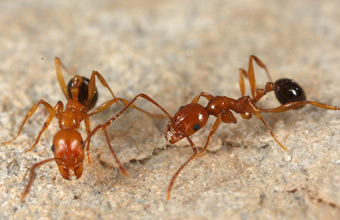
x: 287, y: 90
x: 189, y: 119
x: 82, y: 84
x: 68, y: 153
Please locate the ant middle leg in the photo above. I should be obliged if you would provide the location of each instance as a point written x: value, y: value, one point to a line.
x: 194, y: 155
x: 54, y: 113
x: 47, y: 106
x: 202, y: 94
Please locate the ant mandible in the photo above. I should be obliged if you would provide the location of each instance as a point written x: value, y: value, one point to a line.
x: 81, y: 94
x: 192, y: 117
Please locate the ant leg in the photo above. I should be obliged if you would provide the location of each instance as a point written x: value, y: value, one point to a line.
x: 88, y: 130
x: 251, y: 75
x: 205, y: 95
x: 92, y: 86
x: 257, y: 112
x: 126, y: 102
x: 293, y: 105
x: 115, y: 156
x: 32, y: 177
x: 105, y: 125
x: 130, y: 105
x: 242, y: 73
x: 261, y: 92
x: 104, y: 106
x: 195, y: 155
x: 285, y: 107
x: 107, y: 104
x: 174, y: 177
x: 212, y: 132
x: 47, y: 106
x: 60, y: 76
x: 56, y: 110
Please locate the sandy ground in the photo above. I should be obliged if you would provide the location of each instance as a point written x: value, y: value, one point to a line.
x: 172, y: 50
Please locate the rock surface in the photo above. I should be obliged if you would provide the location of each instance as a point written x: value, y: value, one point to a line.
x: 172, y: 50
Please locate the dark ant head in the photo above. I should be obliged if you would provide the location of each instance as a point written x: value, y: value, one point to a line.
x: 189, y: 119
x: 287, y: 90
x: 83, y: 94
x: 68, y: 153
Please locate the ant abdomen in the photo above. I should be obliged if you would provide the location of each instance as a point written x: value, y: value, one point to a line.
x: 83, y: 93
x: 287, y: 90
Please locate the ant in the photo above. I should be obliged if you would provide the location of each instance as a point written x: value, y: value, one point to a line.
x: 192, y: 117
x: 81, y: 94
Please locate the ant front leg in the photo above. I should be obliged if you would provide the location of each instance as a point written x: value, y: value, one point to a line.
x: 32, y: 178
x: 194, y: 148
x: 126, y: 102
x: 129, y: 105
x: 194, y: 155
x: 105, y: 125
x: 212, y: 132
x: 88, y: 130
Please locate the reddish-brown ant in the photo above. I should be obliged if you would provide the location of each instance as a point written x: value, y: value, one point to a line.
x: 192, y: 117
x: 81, y: 94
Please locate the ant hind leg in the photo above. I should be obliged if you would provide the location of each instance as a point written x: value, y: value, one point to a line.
x: 92, y: 86
x: 257, y: 112
x: 294, y: 105
x: 251, y: 75
x: 60, y: 77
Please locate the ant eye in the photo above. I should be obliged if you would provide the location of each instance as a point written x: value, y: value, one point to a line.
x: 196, y: 127
x: 52, y: 147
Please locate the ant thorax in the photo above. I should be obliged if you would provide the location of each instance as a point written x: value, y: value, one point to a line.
x: 72, y: 116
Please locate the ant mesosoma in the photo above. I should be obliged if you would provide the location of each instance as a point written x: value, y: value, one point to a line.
x: 81, y: 94
x: 192, y: 117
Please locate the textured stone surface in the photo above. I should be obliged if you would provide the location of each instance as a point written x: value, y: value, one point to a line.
x: 172, y: 50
